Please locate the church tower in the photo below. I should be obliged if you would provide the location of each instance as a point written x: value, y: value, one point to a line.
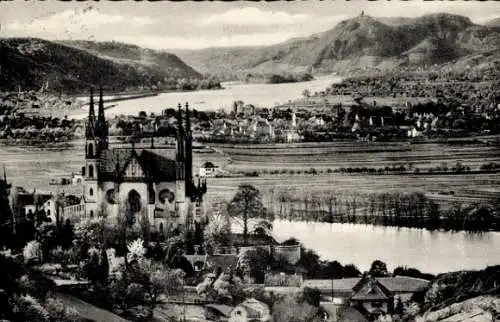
x: 180, y: 162
x: 89, y: 172
x: 101, y: 127
x: 188, y: 155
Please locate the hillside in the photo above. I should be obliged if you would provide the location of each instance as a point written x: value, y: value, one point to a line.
x: 493, y: 22
x: 449, y: 288
x: 360, y: 42
x: 30, y: 63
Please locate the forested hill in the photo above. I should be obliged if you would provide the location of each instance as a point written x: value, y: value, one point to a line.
x: 72, y: 67
x: 357, y: 43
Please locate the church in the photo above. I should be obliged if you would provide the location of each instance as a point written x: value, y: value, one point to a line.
x: 141, y: 181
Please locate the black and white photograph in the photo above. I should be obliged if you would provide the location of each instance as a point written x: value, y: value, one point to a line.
x: 249, y: 161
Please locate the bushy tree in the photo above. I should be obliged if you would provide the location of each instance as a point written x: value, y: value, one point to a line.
x: 217, y: 231
x: 246, y: 203
x: 253, y: 262
x: 225, y: 288
x: 29, y: 308
x: 378, y: 269
x: 291, y: 309
x: 136, y: 250
x: 32, y: 252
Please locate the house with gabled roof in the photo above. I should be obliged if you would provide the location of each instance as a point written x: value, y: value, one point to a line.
x: 250, y: 310
x: 373, y: 297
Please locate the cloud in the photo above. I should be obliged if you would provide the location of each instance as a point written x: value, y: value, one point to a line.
x: 74, y: 22
x: 251, y: 16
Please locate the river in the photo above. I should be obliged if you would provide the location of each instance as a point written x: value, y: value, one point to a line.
x: 431, y: 252
x: 203, y: 100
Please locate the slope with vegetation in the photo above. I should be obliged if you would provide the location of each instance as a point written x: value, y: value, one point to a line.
x: 32, y: 64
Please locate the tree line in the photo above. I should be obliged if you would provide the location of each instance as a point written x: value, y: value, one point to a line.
x: 412, y: 210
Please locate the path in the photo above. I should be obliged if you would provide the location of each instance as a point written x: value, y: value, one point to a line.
x: 89, y: 311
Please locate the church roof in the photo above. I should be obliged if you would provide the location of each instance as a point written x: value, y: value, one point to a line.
x: 114, y: 162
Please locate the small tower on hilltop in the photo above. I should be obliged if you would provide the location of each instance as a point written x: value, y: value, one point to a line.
x: 362, y: 13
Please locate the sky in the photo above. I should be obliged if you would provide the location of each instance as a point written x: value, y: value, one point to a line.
x: 195, y: 25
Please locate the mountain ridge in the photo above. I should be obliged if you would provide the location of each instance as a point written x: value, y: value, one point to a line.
x: 359, y: 42
x: 33, y: 63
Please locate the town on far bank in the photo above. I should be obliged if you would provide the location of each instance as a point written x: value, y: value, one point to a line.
x: 415, y: 106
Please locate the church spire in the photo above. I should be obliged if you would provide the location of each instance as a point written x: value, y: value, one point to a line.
x: 188, y: 121
x: 101, y: 126
x: 90, y: 127
x: 100, y: 117
x: 91, y: 106
x: 180, y: 130
x: 188, y: 154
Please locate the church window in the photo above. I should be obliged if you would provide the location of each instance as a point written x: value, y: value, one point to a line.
x: 151, y: 194
x: 91, y: 214
x: 91, y: 171
x: 83, y: 171
x: 134, y: 170
x: 91, y: 150
x: 111, y: 196
x: 161, y: 228
x: 166, y: 195
x: 91, y: 192
x: 134, y: 201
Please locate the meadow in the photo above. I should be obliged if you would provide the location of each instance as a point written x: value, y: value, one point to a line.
x: 33, y: 167
x: 336, y: 155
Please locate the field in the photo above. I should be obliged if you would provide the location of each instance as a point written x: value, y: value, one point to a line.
x: 444, y: 188
x: 34, y: 167
x: 336, y: 155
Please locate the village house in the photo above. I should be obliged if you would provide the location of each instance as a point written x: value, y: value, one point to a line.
x: 366, y: 296
x: 250, y: 310
x: 208, y: 169
x: 31, y: 203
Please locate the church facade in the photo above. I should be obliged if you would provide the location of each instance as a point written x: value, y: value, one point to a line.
x: 141, y: 182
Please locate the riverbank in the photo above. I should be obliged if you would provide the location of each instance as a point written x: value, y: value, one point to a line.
x: 432, y: 252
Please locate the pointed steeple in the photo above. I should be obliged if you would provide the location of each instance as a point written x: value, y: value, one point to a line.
x: 91, y: 106
x: 90, y: 127
x: 180, y: 130
x: 188, y: 121
x: 100, y: 117
x: 101, y: 126
x: 188, y: 155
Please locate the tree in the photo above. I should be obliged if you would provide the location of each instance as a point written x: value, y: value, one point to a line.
x: 225, y: 288
x: 290, y: 309
x: 378, y: 269
x: 400, y: 309
x: 136, y: 250
x: 247, y: 203
x: 350, y: 270
x: 217, y: 231
x: 254, y: 262
x: 103, y: 267
x: 32, y: 251
x: 6, y: 215
x: 311, y: 296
